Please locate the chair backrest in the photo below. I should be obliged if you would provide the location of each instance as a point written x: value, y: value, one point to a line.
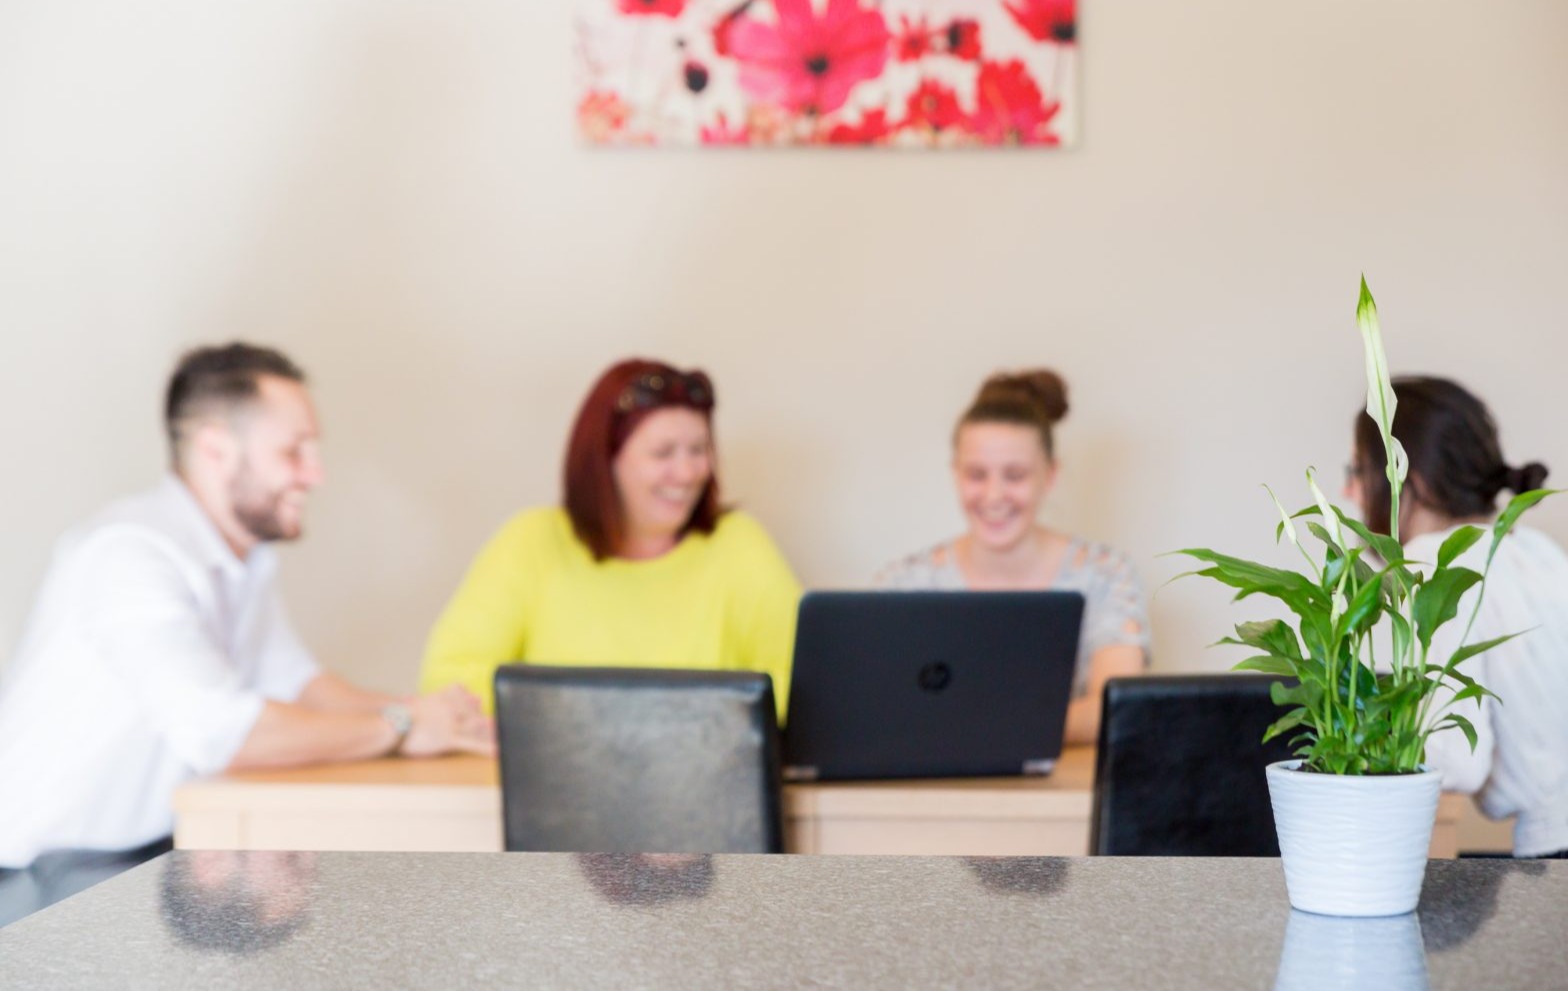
x: 1179, y: 770
x: 636, y: 760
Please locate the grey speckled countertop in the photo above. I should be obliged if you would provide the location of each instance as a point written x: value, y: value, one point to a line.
x: 384, y: 920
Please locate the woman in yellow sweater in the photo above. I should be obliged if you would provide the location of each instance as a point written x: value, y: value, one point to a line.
x: 640, y: 568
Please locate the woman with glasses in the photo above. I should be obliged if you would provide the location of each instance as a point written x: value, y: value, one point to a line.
x: 1004, y: 465
x: 639, y: 567
x: 1519, y: 765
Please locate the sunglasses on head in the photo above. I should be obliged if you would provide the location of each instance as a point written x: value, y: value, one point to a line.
x: 653, y: 389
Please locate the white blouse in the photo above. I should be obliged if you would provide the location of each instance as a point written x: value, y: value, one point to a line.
x: 1520, y: 763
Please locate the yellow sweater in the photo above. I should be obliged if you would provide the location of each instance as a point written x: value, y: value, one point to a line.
x: 723, y: 601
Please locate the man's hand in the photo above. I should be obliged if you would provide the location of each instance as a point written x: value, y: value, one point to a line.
x: 447, y: 721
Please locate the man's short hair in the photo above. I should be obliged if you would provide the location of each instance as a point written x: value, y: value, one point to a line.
x: 212, y: 381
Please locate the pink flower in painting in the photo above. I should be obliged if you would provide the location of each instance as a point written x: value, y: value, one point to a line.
x: 721, y: 30
x: 934, y: 106
x: 601, y: 115
x: 809, y: 63
x: 914, y: 38
x: 665, y: 8
x: 1046, y: 20
x: 1009, y: 108
x: 872, y: 129
x: 722, y: 133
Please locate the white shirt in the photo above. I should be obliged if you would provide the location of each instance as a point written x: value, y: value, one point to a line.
x: 146, y: 661
x: 1520, y: 763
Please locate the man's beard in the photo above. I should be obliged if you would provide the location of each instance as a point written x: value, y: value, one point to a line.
x: 256, y: 509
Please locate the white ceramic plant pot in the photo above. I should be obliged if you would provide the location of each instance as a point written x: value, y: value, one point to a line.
x: 1353, y: 844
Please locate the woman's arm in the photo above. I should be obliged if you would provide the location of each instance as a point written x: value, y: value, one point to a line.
x: 1083, y: 713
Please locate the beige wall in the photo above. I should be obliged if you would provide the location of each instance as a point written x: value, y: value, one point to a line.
x: 392, y: 192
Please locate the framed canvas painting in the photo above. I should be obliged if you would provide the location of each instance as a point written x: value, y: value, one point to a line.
x: 776, y: 73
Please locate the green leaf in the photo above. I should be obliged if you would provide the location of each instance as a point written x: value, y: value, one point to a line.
x: 1365, y: 606
x: 1437, y: 600
x: 1401, y: 637
x: 1290, y: 720
x: 1516, y: 508
x: 1400, y: 582
x: 1268, y: 664
x: 1464, y: 727
x: 1454, y: 675
x: 1457, y: 543
x: 1305, y: 694
x: 1471, y: 691
x: 1271, y: 635
x: 1327, y: 539
x: 1471, y: 650
x: 1294, y: 590
x: 1384, y: 546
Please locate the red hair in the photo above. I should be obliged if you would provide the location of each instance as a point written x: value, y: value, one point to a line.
x: 603, y: 424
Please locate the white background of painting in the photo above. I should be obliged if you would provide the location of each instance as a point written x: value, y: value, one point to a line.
x: 393, y: 191
x: 639, y: 59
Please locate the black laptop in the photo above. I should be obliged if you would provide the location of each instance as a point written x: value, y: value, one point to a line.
x: 930, y: 684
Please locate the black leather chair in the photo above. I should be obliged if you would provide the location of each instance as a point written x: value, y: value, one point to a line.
x: 633, y: 760
x: 1179, y: 770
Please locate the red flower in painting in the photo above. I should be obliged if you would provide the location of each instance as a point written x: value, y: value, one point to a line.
x: 722, y: 133
x: 914, y: 38
x: 872, y: 129
x: 934, y: 106
x: 963, y: 39
x: 1046, y: 20
x: 665, y: 8
x: 1009, y: 108
x: 810, y: 63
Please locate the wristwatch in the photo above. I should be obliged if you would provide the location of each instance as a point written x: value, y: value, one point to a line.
x: 401, y: 719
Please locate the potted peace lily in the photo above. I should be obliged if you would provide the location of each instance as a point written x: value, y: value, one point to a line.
x: 1355, y: 813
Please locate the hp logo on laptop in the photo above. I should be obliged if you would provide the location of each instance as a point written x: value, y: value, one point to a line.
x: 935, y: 676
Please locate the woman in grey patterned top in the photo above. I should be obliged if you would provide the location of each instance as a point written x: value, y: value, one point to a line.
x: 1004, y: 464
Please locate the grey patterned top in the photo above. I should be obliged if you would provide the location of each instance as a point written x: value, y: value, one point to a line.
x: 1116, y: 611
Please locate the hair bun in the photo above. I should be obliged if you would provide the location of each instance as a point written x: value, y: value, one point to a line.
x: 1041, y: 388
x: 1526, y: 477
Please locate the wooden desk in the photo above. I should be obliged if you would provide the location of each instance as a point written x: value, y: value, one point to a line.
x: 454, y: 804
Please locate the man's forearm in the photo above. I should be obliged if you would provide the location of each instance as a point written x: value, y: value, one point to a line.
x: 288, y: 735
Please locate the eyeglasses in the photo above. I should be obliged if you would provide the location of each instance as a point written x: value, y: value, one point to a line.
x: 692, y: 389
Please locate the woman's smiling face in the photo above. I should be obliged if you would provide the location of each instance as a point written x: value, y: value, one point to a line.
x: 1002, y: 475
x: 662, y: 470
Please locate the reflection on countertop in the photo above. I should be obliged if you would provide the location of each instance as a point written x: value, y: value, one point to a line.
x: 234, y: 901
x: 1360, y: 954
x: 208, y: 919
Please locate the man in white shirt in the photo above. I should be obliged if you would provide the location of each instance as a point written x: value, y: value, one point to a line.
x: 158, y: 649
